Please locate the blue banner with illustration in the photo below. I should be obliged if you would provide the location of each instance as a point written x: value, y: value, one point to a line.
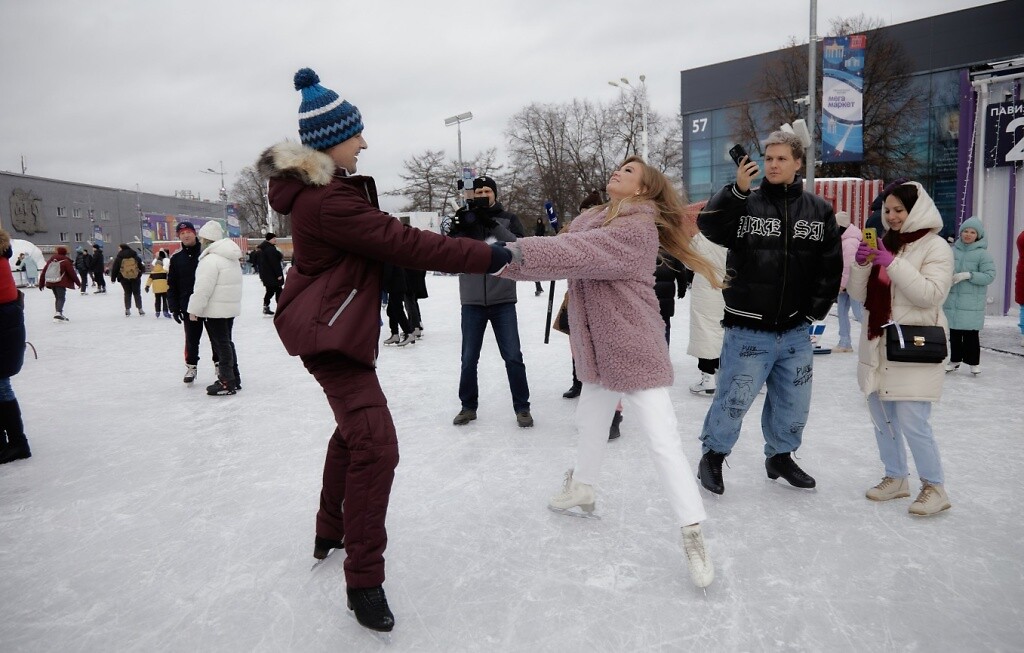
x: 842, y: 99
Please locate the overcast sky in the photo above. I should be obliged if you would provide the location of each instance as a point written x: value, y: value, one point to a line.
x: 119, y: 93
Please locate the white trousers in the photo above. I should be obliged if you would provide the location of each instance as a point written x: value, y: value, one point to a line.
x: 653, y: 412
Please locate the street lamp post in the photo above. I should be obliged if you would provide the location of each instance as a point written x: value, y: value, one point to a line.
x: 643, y: 107
x: 457, y: 121
x: 223, y: 189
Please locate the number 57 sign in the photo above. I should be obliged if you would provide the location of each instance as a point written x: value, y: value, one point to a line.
x: 1004, y: 134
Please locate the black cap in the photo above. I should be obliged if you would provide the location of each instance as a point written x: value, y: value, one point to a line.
x: 270, y: 236
x: 480, y: 182
x: 184, y: 225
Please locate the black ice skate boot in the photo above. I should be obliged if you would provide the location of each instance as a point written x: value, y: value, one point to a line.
x: 574, y: 391
x: 613, y: 431
x: 220, y: 387
x: 781, y: 464
x: 322, y: 547
x: 371, y: 608
x: 17, y: 444
x: 709, y: 471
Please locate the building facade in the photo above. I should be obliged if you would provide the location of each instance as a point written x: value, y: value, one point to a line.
x: 963, y: 64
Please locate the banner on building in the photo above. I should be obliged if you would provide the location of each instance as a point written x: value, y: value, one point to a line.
x: 1004, y: 134
x: 842, y: 99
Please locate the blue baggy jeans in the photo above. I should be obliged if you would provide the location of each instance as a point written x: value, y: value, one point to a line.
x: 502, y: 318
x: 750, y: 357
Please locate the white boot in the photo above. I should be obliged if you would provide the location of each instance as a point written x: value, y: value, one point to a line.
x: 706, y: 385
x: 952, y: 367
x: 573, y: 494
x: 702, y: 572
x: 392, y: 340
x: 931, y: 500
x: 975, y: 370
x: 890, y: 488
x: 190, y: 373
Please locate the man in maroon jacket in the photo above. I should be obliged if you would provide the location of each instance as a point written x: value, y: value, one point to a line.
x: 329, y: 315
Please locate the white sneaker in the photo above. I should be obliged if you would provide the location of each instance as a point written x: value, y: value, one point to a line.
x: 190, y: 373
x: 706, y: 385
x: 975, y: 370
x: 952, y: 367
x: 573, y: 494
x: 702, y: 572
x: 890, y: 488
x: 392, y: 340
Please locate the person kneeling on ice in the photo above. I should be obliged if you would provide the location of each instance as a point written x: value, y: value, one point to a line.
x: 217, y: 298
x: 609, y: 254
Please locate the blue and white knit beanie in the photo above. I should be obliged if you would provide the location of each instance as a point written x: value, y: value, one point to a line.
x: 324, y: 118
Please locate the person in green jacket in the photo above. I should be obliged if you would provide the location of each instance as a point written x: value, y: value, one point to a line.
x: 973, y: 271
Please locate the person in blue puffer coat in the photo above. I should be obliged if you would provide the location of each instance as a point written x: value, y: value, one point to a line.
x: 973, y: 271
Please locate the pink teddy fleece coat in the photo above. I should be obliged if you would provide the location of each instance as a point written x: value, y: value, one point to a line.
x: 616, y: 331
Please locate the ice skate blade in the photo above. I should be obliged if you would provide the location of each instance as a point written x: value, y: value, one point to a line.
x: 581, y: 514
x: 781, y: 482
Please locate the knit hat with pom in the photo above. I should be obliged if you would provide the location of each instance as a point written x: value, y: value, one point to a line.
x: 324, y: 118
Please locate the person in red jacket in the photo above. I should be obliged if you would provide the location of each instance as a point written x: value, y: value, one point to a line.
x: 1018, y: 283
x: 13, y: 443
x: 329, y: 316
x: 60, y: 279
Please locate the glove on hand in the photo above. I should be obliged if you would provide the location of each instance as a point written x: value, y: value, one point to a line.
x: 883, y: 256
x: 500, y: 257
x: 864, y: 253
x: 147, y: 288
x: 177, y: 316
x: 961, y: 276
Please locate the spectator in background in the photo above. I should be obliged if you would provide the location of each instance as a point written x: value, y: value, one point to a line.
x: 59, y: 276
x: 851, y: 237
x: 271, y: 271
x: 31, y: 268
x: 98, y: 272
x: 128, y: 268
x: 416, y: 289
x: 707, y: 308
x: 181, y: 279
x: 973, y: 271
x: 158, y: 282
x: 394, y: 284
x: 83, y: 265
x: 13, y: 443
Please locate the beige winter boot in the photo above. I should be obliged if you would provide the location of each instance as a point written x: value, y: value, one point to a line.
x: 890, y: 488
x: 574, y: 494
x: 930, y: 501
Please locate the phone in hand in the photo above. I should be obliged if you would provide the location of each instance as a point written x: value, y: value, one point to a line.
x: 737, y: 153
x: 871, y: 237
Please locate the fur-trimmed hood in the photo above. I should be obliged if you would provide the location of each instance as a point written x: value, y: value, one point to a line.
x: 297, y: 163
x: 5, y: 241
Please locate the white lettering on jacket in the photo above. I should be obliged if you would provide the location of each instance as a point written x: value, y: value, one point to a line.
x: 809, y: 230
x: 750, y: 224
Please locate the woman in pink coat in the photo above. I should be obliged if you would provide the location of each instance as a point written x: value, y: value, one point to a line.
x: 609, y: 254
x: 851, y: 237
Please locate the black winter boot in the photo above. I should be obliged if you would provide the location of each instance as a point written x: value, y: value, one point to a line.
x: 574, y: 391
x: 371, y: 608
x: 10, y: 422
x: 322, y: 547
x: 709, y: 471
x: 613, y: 432
x: 781, y: 464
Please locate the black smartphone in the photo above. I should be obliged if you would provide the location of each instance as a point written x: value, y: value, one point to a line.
x: 737, y: 153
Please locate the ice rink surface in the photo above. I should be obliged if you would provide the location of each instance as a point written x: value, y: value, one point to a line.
x: 152, y: 517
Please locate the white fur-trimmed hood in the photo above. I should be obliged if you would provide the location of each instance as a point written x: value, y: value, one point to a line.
x: 294, y: 160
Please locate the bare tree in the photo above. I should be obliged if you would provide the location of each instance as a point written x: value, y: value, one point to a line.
x: 426, y: 180
x: 892, y: 107
x: 249, y: 195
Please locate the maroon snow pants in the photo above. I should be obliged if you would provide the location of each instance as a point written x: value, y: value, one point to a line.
x: 360, y: 466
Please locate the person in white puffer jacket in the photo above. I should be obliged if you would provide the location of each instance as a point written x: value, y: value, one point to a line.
x: 217, y: 297
x: 706, y: 309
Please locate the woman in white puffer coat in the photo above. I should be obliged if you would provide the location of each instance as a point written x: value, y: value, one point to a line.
x: 217, y: 299
x: 707, y: 305
x: 905, y: 281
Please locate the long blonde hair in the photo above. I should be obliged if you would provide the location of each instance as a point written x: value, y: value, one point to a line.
x: 671, y: 209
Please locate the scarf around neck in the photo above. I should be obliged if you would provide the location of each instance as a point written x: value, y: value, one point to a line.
x: 879, y: 298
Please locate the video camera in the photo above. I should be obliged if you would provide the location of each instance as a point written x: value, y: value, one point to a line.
x: 473, y: 220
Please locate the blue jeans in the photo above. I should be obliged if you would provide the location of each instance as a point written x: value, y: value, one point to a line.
x: 1021, y: 320
x: 896, y: 421
x: 506, y: 332
x: 843, y: 305
x: 750, y: 358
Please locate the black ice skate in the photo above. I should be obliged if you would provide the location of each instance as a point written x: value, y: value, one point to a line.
x: 783, y: 465
x: 371, y: 608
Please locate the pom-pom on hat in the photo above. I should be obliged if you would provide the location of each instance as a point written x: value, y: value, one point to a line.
x: 324, y: 118
x: 211, y: 231
x: 842, y: 219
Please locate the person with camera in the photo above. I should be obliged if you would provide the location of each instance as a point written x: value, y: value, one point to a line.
x: 329, y: 316
x: 784, y: 262
x: 487, y: 299
x: 905, y: 281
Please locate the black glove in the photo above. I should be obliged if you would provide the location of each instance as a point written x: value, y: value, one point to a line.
x: 500, y: 257
x: 472, y: 223
x: 177, y: 316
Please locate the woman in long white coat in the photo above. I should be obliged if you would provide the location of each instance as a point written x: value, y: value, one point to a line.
x: 905, y: 281
x: 706, y: 309
x: 217, y: 299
